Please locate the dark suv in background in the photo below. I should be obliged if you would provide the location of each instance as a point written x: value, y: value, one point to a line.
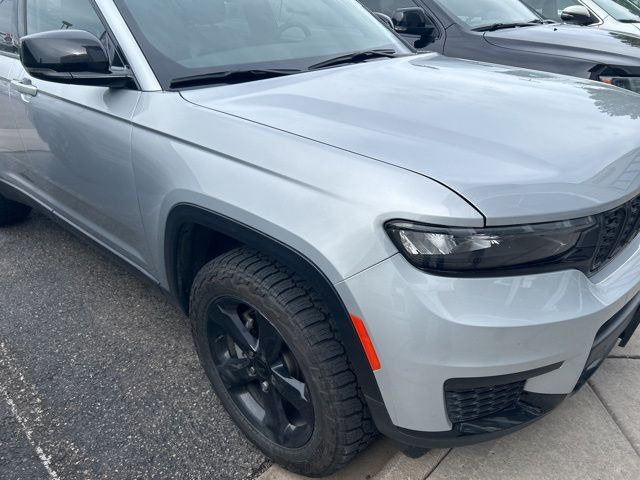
x: 508, y: 32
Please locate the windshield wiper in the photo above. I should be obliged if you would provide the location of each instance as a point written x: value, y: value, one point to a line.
x: 356, y: 57
x: 629, y: 20
x: 500, y: 26
x: 232, y: 76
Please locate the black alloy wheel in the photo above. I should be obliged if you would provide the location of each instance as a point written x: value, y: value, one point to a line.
x: 269, y: 347
x: 260, y: 373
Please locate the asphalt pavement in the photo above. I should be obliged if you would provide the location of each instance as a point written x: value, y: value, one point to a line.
x: 98, y: 375
x: 99, y: 379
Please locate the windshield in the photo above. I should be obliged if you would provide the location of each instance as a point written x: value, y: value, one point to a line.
x: 621, y: 10
x: 184, y: 38
x: 483, y: 13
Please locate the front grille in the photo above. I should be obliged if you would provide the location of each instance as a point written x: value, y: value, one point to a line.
x: 618, y: 228
x: 468, y: 404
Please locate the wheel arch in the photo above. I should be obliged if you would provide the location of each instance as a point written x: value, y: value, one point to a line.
x: 185, y: 219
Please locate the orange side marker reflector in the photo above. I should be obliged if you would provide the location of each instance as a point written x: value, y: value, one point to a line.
x: 365, y: 340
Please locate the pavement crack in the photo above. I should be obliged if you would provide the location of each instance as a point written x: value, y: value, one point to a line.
x: 614, y: 417
x: 433, y: 469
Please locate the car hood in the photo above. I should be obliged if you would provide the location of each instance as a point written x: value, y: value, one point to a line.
x: 597, y: 45
x: 519, y: 145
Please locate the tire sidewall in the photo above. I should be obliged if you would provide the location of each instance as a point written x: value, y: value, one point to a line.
x: 318, y: 452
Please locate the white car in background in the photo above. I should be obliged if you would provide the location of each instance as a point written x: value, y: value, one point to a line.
x: 620, y: 15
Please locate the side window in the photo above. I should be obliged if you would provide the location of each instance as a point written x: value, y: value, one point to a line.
x: 46, y: 15
x: 7, y: 26
x: 388, y: 7
x: 562, y: 4
x: 551, y: 9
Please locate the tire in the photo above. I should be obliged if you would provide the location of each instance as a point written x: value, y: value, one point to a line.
x: 279, y: 303
x: 12, y: 212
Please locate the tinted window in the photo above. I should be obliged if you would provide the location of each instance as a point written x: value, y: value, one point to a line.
x: 188, y: 37
x: 388, y: 6
x: 46, y: 15
x: 480, y: 13
x: 551, y: 9
x: 7, y: 25
x: 623, y: 10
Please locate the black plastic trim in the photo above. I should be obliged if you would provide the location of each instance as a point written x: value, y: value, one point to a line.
x: 632, y: 326
x: 531, y: 407
x: 184, y: 214
x: 584, y: 256
x: 478, y: 382
x: 16, y: 195
x: 618, y: 330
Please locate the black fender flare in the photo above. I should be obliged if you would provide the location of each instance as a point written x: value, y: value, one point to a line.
x: 184, y: 214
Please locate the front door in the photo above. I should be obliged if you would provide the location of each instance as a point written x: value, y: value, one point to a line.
x: 78, y: 141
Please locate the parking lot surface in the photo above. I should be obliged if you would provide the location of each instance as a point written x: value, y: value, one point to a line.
x: 98, y: 376
x: 98, y: 379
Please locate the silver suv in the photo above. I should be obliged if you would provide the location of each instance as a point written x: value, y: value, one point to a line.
x: 365, y: 239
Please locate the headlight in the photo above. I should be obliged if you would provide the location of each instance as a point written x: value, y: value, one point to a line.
x: 630, y: 83
x: 486, y: 251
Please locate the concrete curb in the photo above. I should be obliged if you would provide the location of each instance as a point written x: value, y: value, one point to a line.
x: 401, y: 467
x: 365, y: 466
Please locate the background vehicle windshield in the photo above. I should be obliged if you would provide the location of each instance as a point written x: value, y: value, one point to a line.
x: 182, y: 38
x: 482, y: 13
x: 621, y: 10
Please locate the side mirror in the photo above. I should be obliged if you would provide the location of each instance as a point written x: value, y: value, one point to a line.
x: 412, y: 21
x: 577, y: 15
x: 69, y: 56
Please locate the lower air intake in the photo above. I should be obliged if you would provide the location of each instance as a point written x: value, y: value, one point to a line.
x: 468, y: 404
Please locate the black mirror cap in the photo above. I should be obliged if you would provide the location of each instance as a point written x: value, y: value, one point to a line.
x: 577, y: 15
x: 412, y: 21
x: 64, y: 51
x: 69, y: 56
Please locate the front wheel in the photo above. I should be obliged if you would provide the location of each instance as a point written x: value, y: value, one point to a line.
x: 12, y: 212
x: 270, y: 351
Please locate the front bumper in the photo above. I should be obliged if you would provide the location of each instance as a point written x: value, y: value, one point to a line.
x: 550, y: 331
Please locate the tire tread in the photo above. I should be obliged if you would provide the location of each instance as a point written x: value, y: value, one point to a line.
x: 247, y: 266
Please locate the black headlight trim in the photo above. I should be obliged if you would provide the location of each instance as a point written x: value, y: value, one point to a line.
x: 598, y: 238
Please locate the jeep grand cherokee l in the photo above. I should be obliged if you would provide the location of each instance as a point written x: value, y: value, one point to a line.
x: 365, y: 239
